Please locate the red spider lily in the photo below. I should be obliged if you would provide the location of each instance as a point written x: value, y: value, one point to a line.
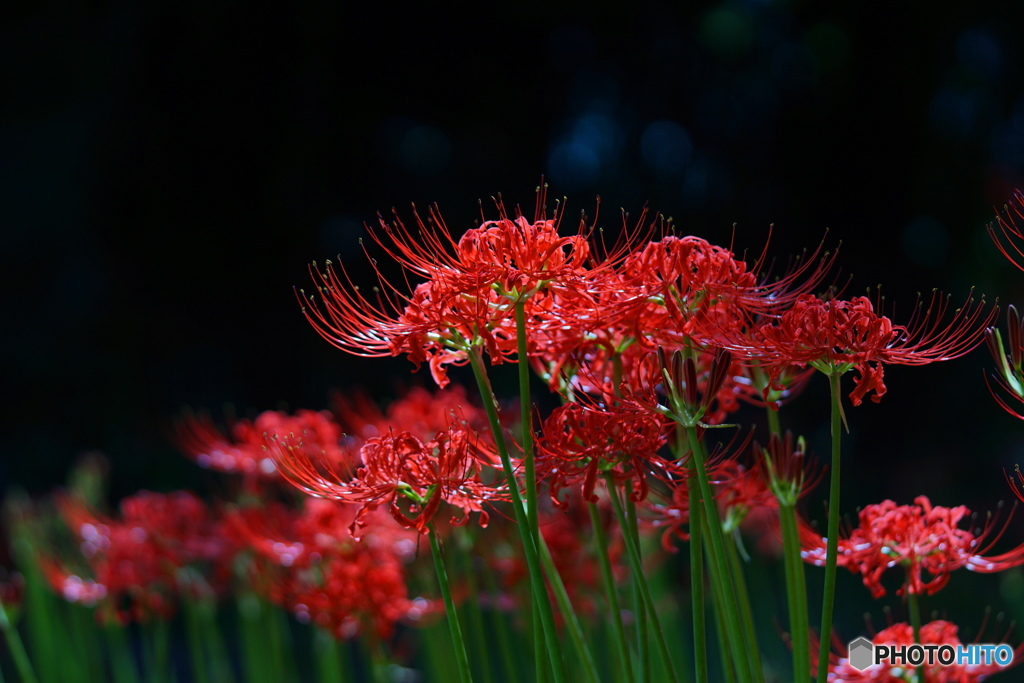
x: 836, y: 335
x: 681, y: 278
x: 740, y: 491
x: 1007, y: 238
x: 359, y: 590
x: 135, y: 560
x: 580, y: 443
x: 471, y: 288
x: 685, y: 282
x: 301, y: 538
x: 923, y: 539
x: 308, y: 562
x: 935, y: 633
x: 785, y: 469
x: 244, y: 451
x: 673, y: 514
x: 398, y: 469
x: 1011, y: 365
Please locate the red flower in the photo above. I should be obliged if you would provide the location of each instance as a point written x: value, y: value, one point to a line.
x: 837, y: 335
x: 687, y: 286
x: 470, y: 289
x: 785, y: 469
x: 740, y: 491
x: 580, y: 443
x: 308, y: 562
x: 410, y: 476
x: 923, y: 539
x: 135, y: 560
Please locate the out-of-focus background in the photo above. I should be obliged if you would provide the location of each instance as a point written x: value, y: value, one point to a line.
x: 167, y: 170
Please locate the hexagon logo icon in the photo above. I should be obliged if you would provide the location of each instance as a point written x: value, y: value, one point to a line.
x: 862, y: 653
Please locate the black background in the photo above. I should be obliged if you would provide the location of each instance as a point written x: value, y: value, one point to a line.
x: 167, y: 170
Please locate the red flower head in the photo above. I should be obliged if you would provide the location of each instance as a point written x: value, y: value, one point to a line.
x: 398, y: 470
x: 688, y: 286
x: 582, y: 442
x: 308, y: 562
x: 673, y: 515
x: 135, y: 560
x: 786, y: 470
x: 836, y: 335
x: 923, y: 539
x: 470, y: 291
x: 739, y: 492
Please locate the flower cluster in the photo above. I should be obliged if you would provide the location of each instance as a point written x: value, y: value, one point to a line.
x: 925, y: 540
x: 649, y: 346
x: 308, y: 562
x: 137, y: 562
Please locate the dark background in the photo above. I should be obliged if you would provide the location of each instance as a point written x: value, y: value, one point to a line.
x: 168, y: 169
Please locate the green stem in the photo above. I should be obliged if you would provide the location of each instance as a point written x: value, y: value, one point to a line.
x: 158, y: 633
x: 762, y: 382
x: 537, y: 586
x: 773, y: 422
x: 700, y: 637
x: 832, y: 546
x: 195, y: 641
x: 45, y: 635
x: 220, y: 662
x: 726, y: 645
x: 630, y: 535
x: 643, y: 639
x: 746, y: 613
x: 379, y: 667
x: 122, y: 663
x: 796, y: 589
x: 86, y: 617
x: 526, y: 423
x: 275, y: 623
x: 328, y: 660
x: 526, y: 418
x: 257, y: 665
x: 18, y: 653
x: 461, y: 658
x: 542, y: 669
x: 572, y: 622
x: 601, y: 541
x: 729, y: 609
x: 500, y: 623
x: 471, y: 605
